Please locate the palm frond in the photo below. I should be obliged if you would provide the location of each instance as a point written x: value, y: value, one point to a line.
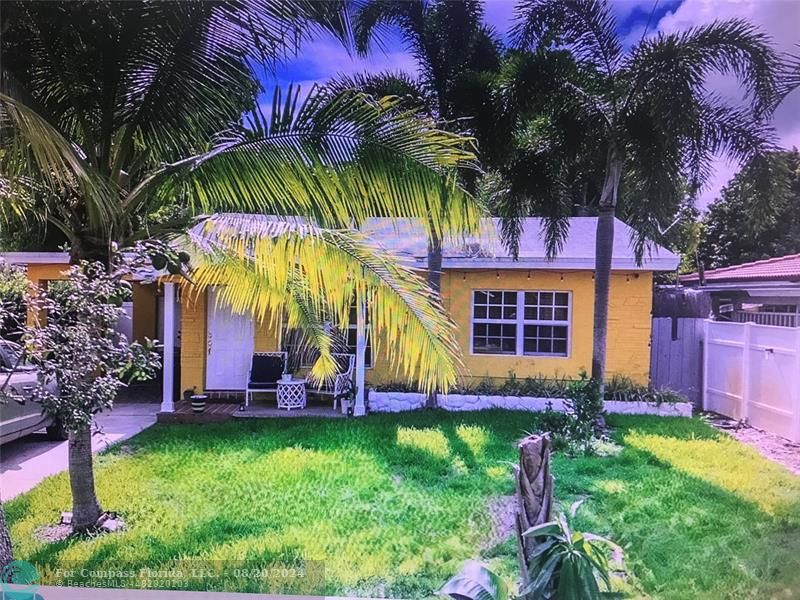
x: 32, y: 151
x: 380, y: 85
x: 261, y: 262
x: 375, y: 17
x: 790, y: 80
x: 684, y: 60
x: 337, y: 158
x: 586, y: 27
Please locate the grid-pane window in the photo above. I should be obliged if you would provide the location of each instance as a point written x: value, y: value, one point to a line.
x: 494, y: 326
x: 546, y: 323
x: 520, y: 322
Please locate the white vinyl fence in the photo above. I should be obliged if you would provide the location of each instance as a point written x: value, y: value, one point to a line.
x: 752, y: 372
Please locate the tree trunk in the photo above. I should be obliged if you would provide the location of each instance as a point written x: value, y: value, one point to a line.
x: 604, y: 250
x: 602, y: 283
x: 534, y: 494
x: 435, y: 283
x: 85, y: 507
x: 6, y: 553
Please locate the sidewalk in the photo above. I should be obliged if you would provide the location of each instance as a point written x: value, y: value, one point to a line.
x: 24, y: 463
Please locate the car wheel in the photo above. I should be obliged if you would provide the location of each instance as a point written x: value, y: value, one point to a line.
x: 57, y: 432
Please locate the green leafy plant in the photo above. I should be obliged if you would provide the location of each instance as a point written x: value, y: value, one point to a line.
x: 475, y: 581
x: 623, y: 389
x: 584, y: 404
x: 567, y: 563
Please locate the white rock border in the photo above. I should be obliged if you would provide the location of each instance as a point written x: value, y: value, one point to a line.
x: 403, y: 401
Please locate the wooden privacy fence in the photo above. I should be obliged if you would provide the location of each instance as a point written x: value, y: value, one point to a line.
x: 752, y: 372
x: 676, y: 356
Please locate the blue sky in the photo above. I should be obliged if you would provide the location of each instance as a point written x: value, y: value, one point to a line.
x: 323, y: 58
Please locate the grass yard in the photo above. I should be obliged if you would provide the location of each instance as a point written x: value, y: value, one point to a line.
x: 393, y: 504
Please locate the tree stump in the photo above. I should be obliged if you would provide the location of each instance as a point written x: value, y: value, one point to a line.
x: 534, y: 493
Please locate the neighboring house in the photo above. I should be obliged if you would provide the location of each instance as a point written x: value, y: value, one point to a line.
x: 529, y: 317
x: 766, y: 292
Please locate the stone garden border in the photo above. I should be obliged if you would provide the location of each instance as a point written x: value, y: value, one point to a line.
x: 403, y: 401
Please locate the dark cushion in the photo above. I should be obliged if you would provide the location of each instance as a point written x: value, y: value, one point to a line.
x: 266, y: 369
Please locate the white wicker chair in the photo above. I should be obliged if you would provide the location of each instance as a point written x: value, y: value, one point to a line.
x: 334, y: 387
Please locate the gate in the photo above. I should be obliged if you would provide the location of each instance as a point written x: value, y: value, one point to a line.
x: 676, y: 356
x: 752, y: 372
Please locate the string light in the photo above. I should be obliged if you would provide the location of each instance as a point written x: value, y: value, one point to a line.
x: 529, y: 274
x: 562, y: 277
x: 464, y: 275
x: 498, y: 274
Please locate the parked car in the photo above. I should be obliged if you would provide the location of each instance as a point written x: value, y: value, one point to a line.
x: 19, y: 413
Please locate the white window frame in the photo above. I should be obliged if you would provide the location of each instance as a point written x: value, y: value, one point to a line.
x: 520, y: 323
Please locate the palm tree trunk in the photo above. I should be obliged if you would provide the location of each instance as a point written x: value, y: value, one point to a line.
x: 85, y: 507
x: 435, y: 283
x: 604, y: 250
x: 6, y: 552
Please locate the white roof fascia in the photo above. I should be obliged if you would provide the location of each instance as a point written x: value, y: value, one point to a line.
x: 564, y: 264
x: 35, y: 258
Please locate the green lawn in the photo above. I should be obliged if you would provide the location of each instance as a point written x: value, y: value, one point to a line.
x: 392, y: 505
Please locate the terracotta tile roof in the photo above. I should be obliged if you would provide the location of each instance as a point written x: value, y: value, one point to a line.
x: 782, y: 268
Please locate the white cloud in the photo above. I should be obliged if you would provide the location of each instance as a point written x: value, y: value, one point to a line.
x: 777, y: 18
x: 324, y: 58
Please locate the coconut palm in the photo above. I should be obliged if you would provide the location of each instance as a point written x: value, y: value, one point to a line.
x: 452, y: 46
x: 122, y: 121
x: 647, y: 113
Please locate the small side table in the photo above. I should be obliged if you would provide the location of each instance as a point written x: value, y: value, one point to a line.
x: 292, y: 394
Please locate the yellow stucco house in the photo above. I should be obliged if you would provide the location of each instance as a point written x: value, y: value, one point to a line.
x: 529, y: 317
x: 532, y: 316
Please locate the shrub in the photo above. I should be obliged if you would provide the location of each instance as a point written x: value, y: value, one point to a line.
x: 623, y: 389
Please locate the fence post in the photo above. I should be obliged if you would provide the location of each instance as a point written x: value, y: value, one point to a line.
x: 744, y: 409
x: 704, y: 391
x: 796, y: 387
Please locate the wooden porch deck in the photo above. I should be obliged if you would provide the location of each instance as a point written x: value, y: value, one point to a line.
x: 217, y: 412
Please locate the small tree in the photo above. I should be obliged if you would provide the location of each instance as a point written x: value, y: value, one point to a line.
x: 76, y: 346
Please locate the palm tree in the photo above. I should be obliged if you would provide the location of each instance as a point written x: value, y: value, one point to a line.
x: 452, y: 46
x: 122, y: 121
x: 646, y: 112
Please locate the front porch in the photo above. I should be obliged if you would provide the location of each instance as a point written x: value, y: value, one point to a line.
x: 216, y: 350
x: 218, y: 412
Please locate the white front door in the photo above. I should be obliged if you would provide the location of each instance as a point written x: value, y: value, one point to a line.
x: 229, y: 347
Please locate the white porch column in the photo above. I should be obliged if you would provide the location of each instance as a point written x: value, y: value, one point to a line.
x: 359, y: 410
x: 167, y: 402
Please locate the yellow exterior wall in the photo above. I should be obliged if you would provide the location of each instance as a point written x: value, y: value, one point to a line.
x: 145, y: 309
x: 628, y: 338
x: 630, y: 322
x: 457, y: 294
x: 266, y: 338
x: 193, y: 339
